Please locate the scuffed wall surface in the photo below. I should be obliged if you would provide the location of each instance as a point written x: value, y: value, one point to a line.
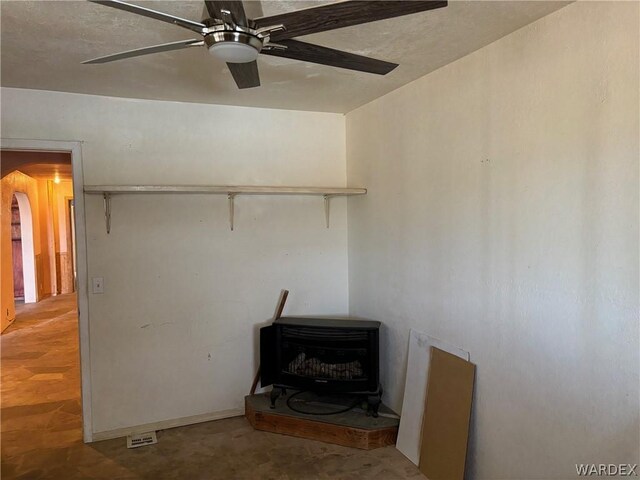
x: 502, y: 217
x: 174, y: 333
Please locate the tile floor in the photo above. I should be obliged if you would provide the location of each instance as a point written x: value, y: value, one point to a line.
x: 42, y: 431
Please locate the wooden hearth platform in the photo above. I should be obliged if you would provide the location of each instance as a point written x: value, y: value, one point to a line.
x: 351, y: 429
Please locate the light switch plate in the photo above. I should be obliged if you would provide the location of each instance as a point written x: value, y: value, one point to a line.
x: 98, y: 284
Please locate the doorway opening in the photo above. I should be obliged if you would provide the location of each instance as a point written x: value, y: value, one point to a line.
x: 16, y: 250
x: 22, y: 249
x: 39, y: 187
x: 43, y: 267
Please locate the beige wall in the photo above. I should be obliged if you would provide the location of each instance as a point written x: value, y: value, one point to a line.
x: 502, y: 217
x: 183, y: 294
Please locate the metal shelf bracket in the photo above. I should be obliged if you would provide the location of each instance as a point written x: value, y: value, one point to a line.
x: 107, y: 211
x: 231, y: 198
x: 326, y: 209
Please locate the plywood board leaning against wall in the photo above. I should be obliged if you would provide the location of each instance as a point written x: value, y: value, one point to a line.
x: 415, y: 390
x: 445, y: 428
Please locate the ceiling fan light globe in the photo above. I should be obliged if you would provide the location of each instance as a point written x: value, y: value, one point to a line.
x: 233, y: 52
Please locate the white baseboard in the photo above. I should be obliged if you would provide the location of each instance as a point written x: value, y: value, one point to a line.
x: 163, y: 425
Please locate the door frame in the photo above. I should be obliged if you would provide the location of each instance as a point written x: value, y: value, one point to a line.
x: 82, y: 292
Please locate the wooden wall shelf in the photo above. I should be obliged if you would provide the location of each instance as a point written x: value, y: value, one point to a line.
x: 231, y: 191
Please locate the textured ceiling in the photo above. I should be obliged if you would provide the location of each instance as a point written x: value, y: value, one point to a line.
x: 43, y: 44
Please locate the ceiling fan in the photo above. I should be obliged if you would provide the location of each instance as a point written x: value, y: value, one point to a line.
x: 230, y: 36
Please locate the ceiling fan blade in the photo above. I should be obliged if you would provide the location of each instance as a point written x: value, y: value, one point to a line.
x: 341, y: 14
x: 234, y: 6
x: 146, y: 12
x: 308, y: 52
x: 165, y: 47
x: 245, y: 74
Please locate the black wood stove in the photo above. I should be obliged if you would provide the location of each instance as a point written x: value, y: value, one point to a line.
x: 324, y: 355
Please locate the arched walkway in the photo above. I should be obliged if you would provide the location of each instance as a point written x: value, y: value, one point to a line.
x: 28, y: 252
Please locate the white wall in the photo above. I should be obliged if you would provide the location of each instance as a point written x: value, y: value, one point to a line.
x: 173, y: 334
x: 502, y: 217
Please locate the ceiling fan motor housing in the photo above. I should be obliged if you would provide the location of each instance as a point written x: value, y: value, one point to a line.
x: 233, y: 46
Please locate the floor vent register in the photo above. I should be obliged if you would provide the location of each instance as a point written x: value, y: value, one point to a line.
x: 141, y: 439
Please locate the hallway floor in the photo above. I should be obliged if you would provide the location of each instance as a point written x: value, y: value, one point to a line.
x: 42, y: 429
